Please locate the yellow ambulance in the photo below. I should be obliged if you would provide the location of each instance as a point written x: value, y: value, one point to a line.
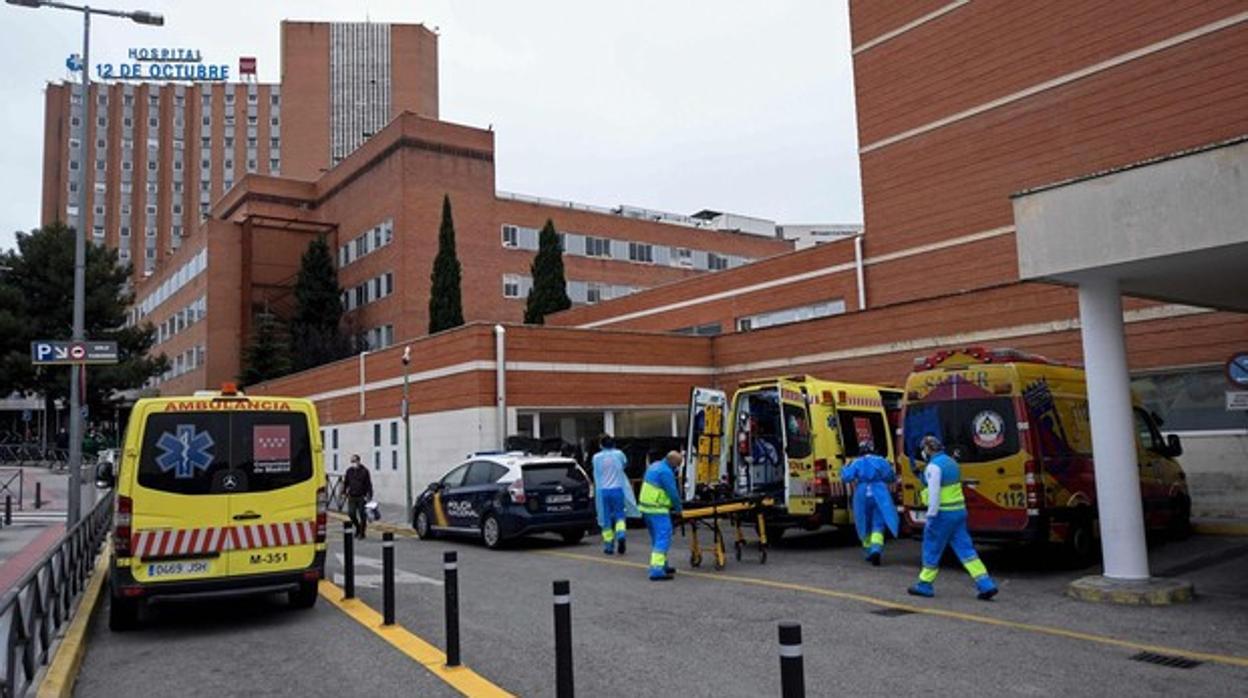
x: 217, y: 494
x: 786, y: 438
x: 1018, y: 425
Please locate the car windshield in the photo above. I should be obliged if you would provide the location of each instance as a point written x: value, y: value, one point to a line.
x: 191, y: 452
x: 552, y: 474
x: 973, y: 431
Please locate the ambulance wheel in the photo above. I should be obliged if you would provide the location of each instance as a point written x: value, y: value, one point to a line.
x: 491, y: 532
x: 305, y: 596
x: 123, y: 614
x: 1080, y: 541
x: 1181, y: 518
x: 421, y: 524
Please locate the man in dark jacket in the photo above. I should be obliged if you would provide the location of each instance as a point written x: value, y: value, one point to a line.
x: 359, y: 487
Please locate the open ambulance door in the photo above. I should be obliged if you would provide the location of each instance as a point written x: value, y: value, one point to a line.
x: 706, y: 461
x: 799, y: 485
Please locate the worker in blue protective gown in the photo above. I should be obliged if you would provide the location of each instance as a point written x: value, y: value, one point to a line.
x: 874, y: 510
x: 946, y: 522
x: 614, y: 498
x: 659, y: 501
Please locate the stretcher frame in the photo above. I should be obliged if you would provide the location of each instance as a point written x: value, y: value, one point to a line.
x: 739, y: 512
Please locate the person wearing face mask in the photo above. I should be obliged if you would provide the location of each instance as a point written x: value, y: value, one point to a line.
x: 946, y: 523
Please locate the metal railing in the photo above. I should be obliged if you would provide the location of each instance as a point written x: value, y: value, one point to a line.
x: 337, y: 492
x: 18, y: 454
x: 35, y: 608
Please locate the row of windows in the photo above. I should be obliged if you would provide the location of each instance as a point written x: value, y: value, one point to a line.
x: 392, y: 429
x: 183, y: 363
x: 182, y: 319
x: 369, y: 241
x: 371, y: 290
x: 519, y: 237
x: 518, y: 286
x: 188, y: 271
x: 378, y: 337
x: 784, y: 317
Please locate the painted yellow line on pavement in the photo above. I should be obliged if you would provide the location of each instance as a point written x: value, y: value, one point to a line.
x: 461, y: 678
x: 1231, y: 660
x: 58, y: 681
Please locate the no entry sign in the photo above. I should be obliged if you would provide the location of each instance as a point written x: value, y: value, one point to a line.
x: 53, y: 352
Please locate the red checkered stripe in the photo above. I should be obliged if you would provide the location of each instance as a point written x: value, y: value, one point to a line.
x: 216, y: 539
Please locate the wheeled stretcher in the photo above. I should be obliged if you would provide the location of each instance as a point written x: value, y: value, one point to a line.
x: 714, y: 514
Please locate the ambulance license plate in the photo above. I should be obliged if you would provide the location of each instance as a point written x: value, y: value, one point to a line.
x: 182, y: 567
x: 558, y: 498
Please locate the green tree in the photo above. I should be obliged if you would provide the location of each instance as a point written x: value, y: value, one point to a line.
x: 446, y: 306
x: 315, y: 330
x: 267, y: 355
x: 36, y: 302
x: 550, y: 288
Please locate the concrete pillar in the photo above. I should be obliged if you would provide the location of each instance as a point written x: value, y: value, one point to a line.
x: 1113, y: 430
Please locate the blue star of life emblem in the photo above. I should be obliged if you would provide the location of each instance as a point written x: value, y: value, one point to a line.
x: 186, y: 452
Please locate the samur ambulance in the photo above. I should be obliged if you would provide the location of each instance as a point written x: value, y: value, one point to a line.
x: 1018, y: 425
x: 218, y: 494
x: 786, y: 438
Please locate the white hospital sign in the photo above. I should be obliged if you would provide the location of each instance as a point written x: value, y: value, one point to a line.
x: 162, y: 63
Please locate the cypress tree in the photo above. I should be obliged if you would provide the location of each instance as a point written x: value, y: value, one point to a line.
x: 446, y: 307
x: 550, y: 288
x: 267, y: 356
x: 315, y: 334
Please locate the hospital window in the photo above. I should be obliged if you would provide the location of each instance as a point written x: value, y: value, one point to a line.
x: 597, y: 247
x: 394, y: 460
x: 510, y: 236
x: 376, y: 434
x: 511, y: 286
x: 376, y: 460
x: 716, y: 262
x: 784, y: 317
x: 394, y: 433
x: 641, y: 252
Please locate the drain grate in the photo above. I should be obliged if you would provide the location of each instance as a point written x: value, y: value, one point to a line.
x: 892, y: 612
x: 1166, y: 660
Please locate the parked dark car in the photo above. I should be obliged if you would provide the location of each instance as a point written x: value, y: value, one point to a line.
x: 501, y: 496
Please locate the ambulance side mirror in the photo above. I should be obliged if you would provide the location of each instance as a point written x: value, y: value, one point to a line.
x: 104, y: 477
x: 1174, y: 447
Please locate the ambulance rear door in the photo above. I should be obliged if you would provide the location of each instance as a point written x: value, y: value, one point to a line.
x: 707, y: 462
x: 799, y: 486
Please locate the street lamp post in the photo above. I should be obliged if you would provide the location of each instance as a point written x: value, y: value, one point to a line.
x: 407, y: 430
x: 77, y: 373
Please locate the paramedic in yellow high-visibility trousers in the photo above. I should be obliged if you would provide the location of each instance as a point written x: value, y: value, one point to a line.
x: 946, y: 523
x: 660, y: 500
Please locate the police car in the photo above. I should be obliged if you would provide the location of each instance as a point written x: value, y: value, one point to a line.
x: 500, y: 496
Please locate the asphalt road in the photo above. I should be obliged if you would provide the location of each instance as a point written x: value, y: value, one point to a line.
x: 715, y: 633
x: 705, y: 633
x: 253, y: 647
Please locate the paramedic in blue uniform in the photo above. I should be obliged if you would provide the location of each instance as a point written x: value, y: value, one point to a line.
x: 946, y: 522
x: 659, y: 501
x: 614, y: 501
x: 873, y: 503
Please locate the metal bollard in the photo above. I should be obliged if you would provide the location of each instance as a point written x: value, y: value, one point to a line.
x: 348, y: 560
x: 792, y: 674
x: 8, y: 510
x: 38, y: 495
x: 387, y: 578
x: 563, y: 639
x: 450, y: 583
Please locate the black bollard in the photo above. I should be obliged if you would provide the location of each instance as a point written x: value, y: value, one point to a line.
x: 563, y: 639
x: 8, y: 510
x: 38, y: 495
x: 387, y: 578
x: 450, y: 583
x: 348, y: 560
x: 792, y: 675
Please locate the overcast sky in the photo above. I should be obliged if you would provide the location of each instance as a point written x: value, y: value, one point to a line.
x: 725, y: 104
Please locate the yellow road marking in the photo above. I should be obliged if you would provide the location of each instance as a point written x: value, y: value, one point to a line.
x: 62, y: 672
x: 938, y: 612
x: 461, y: 678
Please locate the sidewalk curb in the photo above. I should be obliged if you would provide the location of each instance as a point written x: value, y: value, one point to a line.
x: 62, y: 672
x: 1220, y: 528
x: 383, y: 526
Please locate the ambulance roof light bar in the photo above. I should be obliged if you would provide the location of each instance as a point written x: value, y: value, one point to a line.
x: 954, y: 358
